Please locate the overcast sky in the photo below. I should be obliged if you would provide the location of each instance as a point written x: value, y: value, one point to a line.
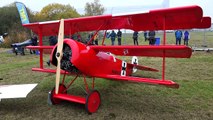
x: 37, y: 5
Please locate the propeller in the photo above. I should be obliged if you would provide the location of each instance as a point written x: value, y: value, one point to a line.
x: 59, y: 54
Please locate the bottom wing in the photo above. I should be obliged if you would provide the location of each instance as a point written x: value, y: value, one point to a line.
x: 167, y: 83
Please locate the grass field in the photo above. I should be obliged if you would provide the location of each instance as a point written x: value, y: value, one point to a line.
x: 120, y: 100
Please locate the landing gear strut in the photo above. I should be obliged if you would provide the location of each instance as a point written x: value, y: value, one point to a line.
x: 51, y: 94
x: 92, y: 100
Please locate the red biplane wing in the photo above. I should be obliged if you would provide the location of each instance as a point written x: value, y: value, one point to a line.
x: 169, y: 18
x: 167, y: 83
x: 172, y: 51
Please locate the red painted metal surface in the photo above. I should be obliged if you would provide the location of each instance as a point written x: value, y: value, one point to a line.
x: 85, y: 84
x: 152, y: 20
x: 93, y: 101
x: 95, y: 61
x: 171, y: 51
x: 40, y: 34
x: 83, y: 56
x: 71, y: 82
x: 140, y: 67
x: 71, y: 98
x: 62, y: 89
x: 164, y: 52
x: 47, y: 70
x: 167, y: 83
x: 104, y: 37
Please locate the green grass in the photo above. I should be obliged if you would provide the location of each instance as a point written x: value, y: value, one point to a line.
x: 120, y: 100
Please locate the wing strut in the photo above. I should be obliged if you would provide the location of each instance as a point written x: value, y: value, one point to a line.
x: 40, y: 44
x: 59, y: 54
x: 104, y: 37
x: 95, y: 34
x: 164, y: 43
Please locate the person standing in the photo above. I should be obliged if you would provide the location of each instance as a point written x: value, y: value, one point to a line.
x: 119, y: 35
x: 112, y: 36
x: 145, y: 34
x: 186, y: 38
x: 53, y: 40
x: 135, y: 37
x: 34, y: 40
x: 178, y: 36
x: 152, y: 37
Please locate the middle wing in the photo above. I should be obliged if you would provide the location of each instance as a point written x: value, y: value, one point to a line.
x: 171, y: 51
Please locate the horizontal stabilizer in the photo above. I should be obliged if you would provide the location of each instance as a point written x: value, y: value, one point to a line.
x: 15, y: 91
x: 140, y: 67
x: 171, y: 51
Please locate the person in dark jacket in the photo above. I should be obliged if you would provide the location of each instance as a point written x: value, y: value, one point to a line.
x: 145, y: 34
x: 135, y: 37
x: 113, y: 36
x: 53, y: 40
x: 119, y: 35
x: 186, y: 38
x: 152, y: 37
x: 34, y: 40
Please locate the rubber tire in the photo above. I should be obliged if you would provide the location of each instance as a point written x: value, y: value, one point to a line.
x: 93, y: 101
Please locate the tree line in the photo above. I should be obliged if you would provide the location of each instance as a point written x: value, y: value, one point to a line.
x: 10, y: 21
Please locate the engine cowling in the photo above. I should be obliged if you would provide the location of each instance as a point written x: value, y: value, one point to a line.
x: 67, y: 58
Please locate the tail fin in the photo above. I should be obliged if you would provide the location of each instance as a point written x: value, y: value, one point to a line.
x: 22, y: 12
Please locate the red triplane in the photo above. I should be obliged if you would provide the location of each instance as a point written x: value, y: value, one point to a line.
x: 72, y: 57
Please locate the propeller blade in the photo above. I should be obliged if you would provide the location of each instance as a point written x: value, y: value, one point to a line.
x: 59, y: 54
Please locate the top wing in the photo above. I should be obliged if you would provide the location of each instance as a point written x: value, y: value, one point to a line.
x: 171, y: 51
x: 205, y: 23
x: 174, y: 18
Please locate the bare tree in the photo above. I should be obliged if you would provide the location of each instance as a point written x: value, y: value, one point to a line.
x: 94, y: 8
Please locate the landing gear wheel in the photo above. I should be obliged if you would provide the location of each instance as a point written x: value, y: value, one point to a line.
x: 93, y: 101
x: 51, y: 99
